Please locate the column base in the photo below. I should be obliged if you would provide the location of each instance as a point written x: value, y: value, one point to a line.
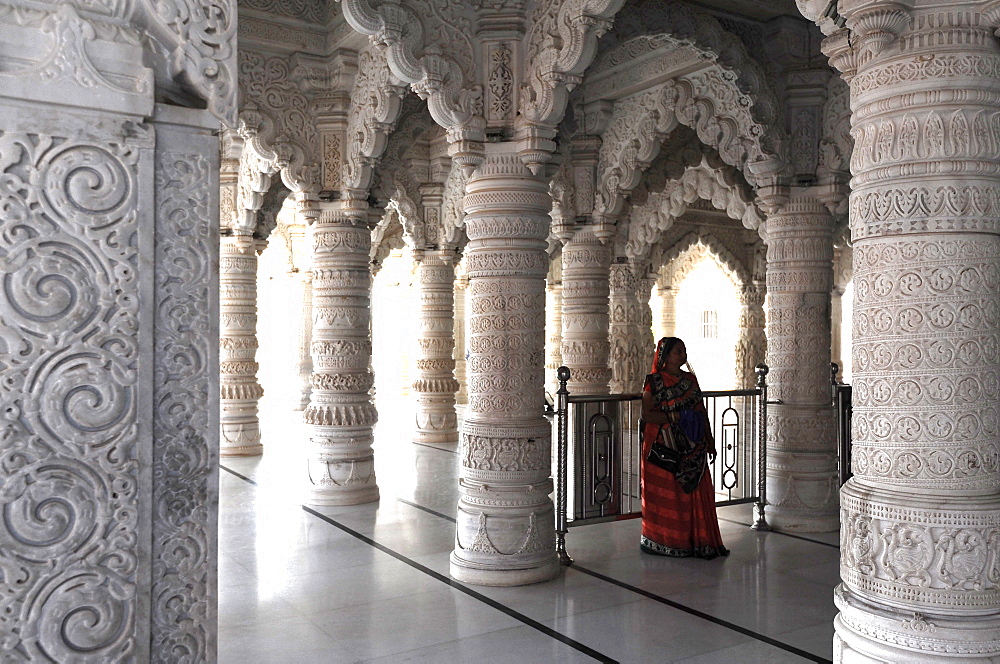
x: 793, y: 521
x: 342, y: 497
x: 869, y: 632
x: 478, y: 575
x: 242, y: 450
x: 436, y: 436
x: 240, y: 440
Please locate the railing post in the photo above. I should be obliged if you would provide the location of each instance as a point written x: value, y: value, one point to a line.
x: 761, y: 521
x: 562, y: 408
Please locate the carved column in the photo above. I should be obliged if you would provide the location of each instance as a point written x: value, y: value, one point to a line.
x: 751, y: 346
x: 553, y: 328
x: 630, y: 335
x: 505, y: 526
x: 802, y: 443
x: 239, y: 389
x: 585, y: 270
x: 461, y: 343
x: 668, y: 312
x: 921, y: 515
x: 341, y: 414
x: 435, y: 385
x: 304, y: 366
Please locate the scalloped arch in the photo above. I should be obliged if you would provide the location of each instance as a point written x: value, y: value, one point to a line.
x: 744, y: 79
x: 386, y: 236
x: 436, y: 72
x: 660, y: 210
x: 685, y: 255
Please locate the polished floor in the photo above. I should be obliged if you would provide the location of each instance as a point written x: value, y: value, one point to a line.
x: 369, y: 583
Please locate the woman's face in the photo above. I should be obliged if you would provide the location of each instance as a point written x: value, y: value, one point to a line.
x: 677, y: 356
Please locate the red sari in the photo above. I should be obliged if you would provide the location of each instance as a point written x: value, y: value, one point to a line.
x: 675, y: 522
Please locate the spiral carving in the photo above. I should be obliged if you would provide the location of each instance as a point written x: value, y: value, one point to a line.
x: 88, y: 185
x: 50, y: 282
x: 51, y: 509
x: 83, y: 616
x: 90, y: 398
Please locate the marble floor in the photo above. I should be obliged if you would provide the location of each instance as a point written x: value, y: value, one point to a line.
x: 369, y: 583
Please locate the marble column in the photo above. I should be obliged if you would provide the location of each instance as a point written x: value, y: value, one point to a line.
x: 304, y: 366
x: 435, y: 385
x: 585, y: 273
x: 802, y: 479
x: 668, y: 311
x: 751, y: 345
x: 505, y: 527
x: 921, y: 516
x: 461, y: 344
x: 553, y: 329
x: 239, y: 390
x: 630, y: 336
x: 341, y: 415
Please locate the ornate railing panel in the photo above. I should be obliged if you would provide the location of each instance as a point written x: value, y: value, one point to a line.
x: 600, y: 446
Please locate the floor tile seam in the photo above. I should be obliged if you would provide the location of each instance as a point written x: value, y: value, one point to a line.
x: 704, y: 616
x: 655, y: 597
x: 530, y: 622
x: 792, y: 535
x: 465, y: 638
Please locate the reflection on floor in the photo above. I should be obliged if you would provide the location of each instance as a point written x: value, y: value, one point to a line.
x: 369, y: 583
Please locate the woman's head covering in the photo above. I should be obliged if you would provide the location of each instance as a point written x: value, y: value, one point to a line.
x: 663, y: 349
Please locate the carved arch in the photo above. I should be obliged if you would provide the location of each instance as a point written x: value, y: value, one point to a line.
x: 387, y: 236
x: 648, y: 221
x: 276, y: 121
x: 376, y: 104
x: 432, y: 51
x: 561, y: 43
x: 731, y: 103
x: 691, y: 249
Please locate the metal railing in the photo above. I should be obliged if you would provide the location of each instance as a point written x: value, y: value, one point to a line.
x: 842, y: 394
x: 600, y: 452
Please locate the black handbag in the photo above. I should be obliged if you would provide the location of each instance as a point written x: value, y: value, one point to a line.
x: 663, y: 455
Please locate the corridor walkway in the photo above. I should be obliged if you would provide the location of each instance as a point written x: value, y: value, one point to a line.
x: 369, y: 583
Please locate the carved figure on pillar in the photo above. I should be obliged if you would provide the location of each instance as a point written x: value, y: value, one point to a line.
x: 802, y: 443
x: 631, y: 318
x: 751, y: 347
x: 435, y: 385
x: 341, y: 414
x: 505, y: 526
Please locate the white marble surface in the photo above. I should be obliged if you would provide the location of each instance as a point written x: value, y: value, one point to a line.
x: 295, y: 588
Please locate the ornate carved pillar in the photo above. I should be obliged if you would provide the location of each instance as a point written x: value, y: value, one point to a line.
x: 921, y: 515
x: 239, y: 389
x: 341, y: 414
x: 435, y: 385
x: 630, y: 335
x: 802, y: 444
x: 304, y: 366
x: 461, y: 343
x: 751, y: 347
x: 306, y: 212
x: 668, y: 298
x: 505, y: 529
x: 585, y: 269
x: 553, y: 328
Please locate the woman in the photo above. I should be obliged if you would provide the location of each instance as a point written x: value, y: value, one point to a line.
x: 678, y: 508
